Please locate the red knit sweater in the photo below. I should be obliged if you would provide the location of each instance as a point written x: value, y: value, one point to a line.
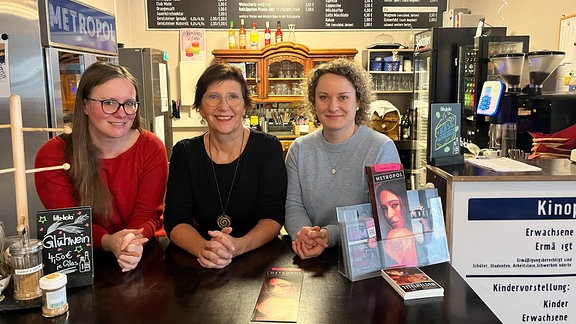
x: 136, y: 179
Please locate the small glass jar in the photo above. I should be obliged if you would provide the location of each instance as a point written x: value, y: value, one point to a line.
x: 54, y: 302
x: 26, y: 261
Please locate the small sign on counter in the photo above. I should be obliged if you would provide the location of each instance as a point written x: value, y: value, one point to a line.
x: 66, y: 236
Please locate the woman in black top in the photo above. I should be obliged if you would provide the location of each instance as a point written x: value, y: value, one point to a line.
x: 227, y: 188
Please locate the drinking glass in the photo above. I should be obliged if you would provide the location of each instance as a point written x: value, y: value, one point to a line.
x: 291, y: 33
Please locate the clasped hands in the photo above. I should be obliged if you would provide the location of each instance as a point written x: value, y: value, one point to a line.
x: 128, y: 246
x: 311, y: 241
x: 219, y: 250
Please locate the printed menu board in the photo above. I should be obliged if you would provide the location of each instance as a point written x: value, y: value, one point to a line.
x: 66, y: 236
x: 305, y: 14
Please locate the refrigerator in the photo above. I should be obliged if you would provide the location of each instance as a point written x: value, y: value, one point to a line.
x: 45, y: 57
x: 150, y: 67
x: 435, y: 81
x: 474, y: 68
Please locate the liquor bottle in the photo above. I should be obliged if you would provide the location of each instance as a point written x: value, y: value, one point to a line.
x: 406, y: 125
x: 231, y: 36
x: 242, y: 35
x: 278, y: 34
x: 254, y: 37
x: 267, y: 34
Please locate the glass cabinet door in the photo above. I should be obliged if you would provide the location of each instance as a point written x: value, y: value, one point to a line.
x: 420, y: 118
x: 71, y: 68
x: 252, y: 78
x: 285, y: 77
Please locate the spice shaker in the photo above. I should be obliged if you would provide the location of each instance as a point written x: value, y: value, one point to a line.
x: 26, y: 260
x: 54, y: 302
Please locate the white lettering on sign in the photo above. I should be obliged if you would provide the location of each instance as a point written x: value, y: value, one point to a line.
x: 70, y: 20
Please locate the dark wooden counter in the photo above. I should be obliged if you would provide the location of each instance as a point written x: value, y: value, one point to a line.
x: 170, y: 287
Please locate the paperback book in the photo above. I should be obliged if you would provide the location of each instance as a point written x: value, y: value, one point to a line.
x: 388, y: 196
x: 410, y: 228
x: 279, y: 298
x: 412, y: 283
x: 389, y: 176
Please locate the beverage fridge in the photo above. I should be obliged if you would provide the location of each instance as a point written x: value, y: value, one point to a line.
x: 150, y: 67
x: 45, y: 52
x: 435, y: 81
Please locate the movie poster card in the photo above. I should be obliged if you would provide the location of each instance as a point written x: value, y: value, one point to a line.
x: 427, y: 220
x: 279, y: 297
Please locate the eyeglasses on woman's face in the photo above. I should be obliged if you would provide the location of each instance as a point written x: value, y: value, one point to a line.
x: 111, y: 106
x: 214, y: 99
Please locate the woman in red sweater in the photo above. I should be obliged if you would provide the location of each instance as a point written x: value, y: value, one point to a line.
x: 117, y: 168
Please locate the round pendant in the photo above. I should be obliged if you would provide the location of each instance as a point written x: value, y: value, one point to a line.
x: 224, y: 221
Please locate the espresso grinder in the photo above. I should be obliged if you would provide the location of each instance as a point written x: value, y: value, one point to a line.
x: 499, y: 101
x: 541, y: 64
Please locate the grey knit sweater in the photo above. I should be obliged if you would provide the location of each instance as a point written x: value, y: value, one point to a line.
x: 314, y: 192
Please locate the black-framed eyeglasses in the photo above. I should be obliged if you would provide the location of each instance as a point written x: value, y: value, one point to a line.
x: 232, y: 99
x: 111, y: 106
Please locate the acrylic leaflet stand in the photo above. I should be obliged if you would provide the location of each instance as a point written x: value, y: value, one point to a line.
x: 19, y: 169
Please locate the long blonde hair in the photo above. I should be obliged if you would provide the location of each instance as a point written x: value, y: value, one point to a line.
x: 81, y: 153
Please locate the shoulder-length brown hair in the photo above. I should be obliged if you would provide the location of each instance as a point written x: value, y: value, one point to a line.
x: 89, y: 189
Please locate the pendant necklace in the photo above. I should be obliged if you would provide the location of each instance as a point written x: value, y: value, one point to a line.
x: 334, y: 165
x: 224, y: 220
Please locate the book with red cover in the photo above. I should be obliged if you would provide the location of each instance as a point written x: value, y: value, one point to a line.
x: 390, y: 175
x: 279, y: 298
x: 388, y: 196
x: 412, y: 283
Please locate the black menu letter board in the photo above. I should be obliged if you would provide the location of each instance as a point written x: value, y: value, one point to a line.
x: 305, y: 14
x: 66, y: 236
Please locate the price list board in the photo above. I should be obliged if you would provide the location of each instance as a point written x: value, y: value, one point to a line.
x: 305, y: 14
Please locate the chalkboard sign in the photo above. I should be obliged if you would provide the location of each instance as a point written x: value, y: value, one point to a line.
x: 66, y: 236
x: 305, y: 14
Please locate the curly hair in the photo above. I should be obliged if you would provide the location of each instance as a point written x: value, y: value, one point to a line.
x: 358, y: 77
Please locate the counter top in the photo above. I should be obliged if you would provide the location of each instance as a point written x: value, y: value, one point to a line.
x: 169, y: 286
x: 552, y: 170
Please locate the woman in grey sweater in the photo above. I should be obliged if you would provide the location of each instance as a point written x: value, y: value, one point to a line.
x: 326, y: 168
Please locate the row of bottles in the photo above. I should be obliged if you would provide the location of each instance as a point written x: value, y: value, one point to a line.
x: 254, y: 36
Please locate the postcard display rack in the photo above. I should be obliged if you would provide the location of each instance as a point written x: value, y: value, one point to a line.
x: 25, y: 290
x: 367, y: 245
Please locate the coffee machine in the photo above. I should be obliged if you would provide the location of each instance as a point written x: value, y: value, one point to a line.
x: 500, y: 101
x: 517, y: 111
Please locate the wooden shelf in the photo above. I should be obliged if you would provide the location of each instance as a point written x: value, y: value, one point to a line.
x: 275, y: 61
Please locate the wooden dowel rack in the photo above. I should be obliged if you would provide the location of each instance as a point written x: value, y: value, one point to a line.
x: 19, y: 160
